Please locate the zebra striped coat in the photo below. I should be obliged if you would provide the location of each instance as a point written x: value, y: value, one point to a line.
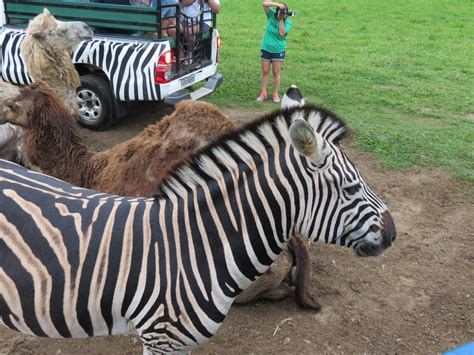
x: 77, y: 263
x: 129, y: 66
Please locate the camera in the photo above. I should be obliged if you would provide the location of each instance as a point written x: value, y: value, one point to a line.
x: 284, y: 13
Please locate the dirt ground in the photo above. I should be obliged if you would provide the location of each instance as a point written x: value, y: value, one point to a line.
x: 418, y: 297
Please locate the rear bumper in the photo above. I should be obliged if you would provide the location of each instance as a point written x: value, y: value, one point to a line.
x: 186, y: 80
x: 209, y: 87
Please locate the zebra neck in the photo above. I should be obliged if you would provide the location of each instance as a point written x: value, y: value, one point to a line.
x: 241, y: 201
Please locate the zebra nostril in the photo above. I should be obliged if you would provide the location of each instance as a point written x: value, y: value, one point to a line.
x: 374, y: 228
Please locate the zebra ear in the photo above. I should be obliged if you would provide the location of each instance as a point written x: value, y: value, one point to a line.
x: 307, y: 142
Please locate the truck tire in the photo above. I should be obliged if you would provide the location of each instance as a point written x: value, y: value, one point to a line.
x: 95, y: 101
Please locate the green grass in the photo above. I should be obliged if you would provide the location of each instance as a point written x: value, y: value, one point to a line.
x: 399, y: 72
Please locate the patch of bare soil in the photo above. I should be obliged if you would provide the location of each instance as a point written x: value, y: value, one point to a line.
x: 418, y: 297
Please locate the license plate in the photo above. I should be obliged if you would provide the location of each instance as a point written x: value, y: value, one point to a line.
x: 190, y: 79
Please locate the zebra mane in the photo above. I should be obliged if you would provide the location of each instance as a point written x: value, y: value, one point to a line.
x: 269, y: 129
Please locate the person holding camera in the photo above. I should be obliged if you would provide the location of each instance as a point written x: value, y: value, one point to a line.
x: 273, y: 46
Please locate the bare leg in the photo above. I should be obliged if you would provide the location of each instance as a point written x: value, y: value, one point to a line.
x: 189, y: 39
x: 265, y: 73
x: 172, y: 29
x: 276, y: 76
x: 168, y: 29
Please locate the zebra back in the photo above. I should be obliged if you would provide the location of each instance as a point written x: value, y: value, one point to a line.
x: 78, y: 263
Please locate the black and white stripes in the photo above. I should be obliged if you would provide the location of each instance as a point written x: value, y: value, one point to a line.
x: 13, y: 65
x: 77, y: 263
x: 129, y: 66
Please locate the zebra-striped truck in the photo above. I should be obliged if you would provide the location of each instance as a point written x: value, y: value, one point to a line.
x: 128, y: 59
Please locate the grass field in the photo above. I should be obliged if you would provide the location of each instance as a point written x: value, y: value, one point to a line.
x: 401, y: 73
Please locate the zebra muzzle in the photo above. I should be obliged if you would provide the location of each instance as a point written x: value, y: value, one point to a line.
x: 389, y: 232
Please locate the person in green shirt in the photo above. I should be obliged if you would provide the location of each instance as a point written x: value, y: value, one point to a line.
x: 273, y: 47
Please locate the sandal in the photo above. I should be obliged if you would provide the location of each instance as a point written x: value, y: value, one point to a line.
x: 262, y: 97
x: 276, y: 98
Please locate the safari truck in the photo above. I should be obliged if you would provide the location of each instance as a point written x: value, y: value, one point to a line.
x: 128, y: 59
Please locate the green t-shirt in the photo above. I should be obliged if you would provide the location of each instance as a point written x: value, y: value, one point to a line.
x: 272, y: 41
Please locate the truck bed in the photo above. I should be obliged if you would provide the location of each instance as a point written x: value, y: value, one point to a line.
x: 125, y: 18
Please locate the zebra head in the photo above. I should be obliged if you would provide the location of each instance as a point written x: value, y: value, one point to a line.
x: 343, y: 209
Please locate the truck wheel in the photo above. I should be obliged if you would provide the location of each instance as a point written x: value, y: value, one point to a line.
x: 95, y: 101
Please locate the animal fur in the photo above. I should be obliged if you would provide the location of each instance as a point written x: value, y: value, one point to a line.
x: 46, y: 50
x: 132, y: 168
x: 138, y: 166
x: 10, y: 135
x: 9, y: 147
x: 42, y: 60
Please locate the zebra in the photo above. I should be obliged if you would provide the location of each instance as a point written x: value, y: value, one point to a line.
x: 79, y: 263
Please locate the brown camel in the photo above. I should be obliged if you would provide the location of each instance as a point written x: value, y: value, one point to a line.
x: 138, y: 166
x: 10, y: 135
x: 10, y: 149
x: 46, y: 50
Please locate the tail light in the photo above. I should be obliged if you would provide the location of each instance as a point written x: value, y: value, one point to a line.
x: 163, y: 68
x: 217, y: 51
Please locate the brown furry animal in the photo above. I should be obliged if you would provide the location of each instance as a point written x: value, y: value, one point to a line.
x: 10, y: 135
x: 46, y: 50
x: 132, y: 168
x: 138, y: 166
x: 9, y: 147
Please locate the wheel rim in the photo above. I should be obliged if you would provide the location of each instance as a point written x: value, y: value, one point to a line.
x: 90, y: 107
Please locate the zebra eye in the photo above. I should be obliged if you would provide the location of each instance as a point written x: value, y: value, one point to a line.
x: 351, y: 190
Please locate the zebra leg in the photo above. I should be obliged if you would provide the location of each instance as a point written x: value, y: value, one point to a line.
x: 278, y: 293
x: 163, y: 337
x: 151, y: 349
x: 269, y: 281
x: 302, y: 277
x: 151, y: 352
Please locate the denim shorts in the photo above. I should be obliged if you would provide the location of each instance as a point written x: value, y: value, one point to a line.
x: 272, y: 57
x: 168, y: 11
